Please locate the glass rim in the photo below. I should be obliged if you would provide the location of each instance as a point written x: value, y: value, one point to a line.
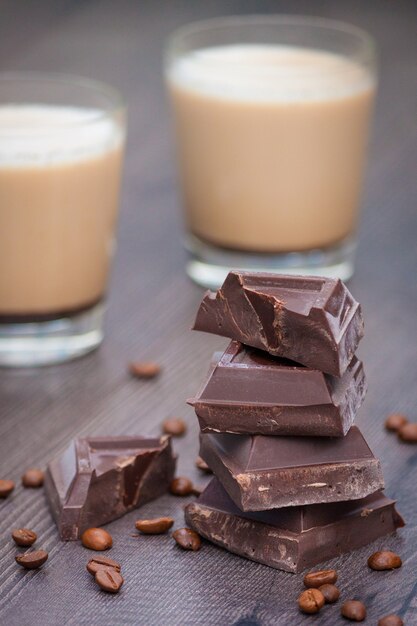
x: 369, y: 44
x: 117, y: 102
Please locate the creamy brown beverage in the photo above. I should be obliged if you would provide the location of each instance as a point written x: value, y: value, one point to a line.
x: 271, y: 144
x: 59, y: 183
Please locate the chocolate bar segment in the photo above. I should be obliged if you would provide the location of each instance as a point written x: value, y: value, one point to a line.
x: 313, y: 321
x: 251, y: 392
x: 261, y: 473
x: 292, y: 538
x: 98, y: 479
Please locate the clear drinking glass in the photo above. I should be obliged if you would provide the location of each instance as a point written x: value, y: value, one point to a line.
x: 272, y: 116
x: 61, y: 151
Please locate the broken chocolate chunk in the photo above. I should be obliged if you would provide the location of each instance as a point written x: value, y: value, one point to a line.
x: 98, y: 479
x: 313, y: 321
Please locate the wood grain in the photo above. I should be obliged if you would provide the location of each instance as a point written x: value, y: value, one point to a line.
x: 150, y: 310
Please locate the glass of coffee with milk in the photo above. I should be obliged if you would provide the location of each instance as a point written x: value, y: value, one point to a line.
x: 271, y: 116
x: 61, y: 149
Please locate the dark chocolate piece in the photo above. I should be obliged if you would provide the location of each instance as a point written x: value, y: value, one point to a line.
x: 292, y: 538
x: 310, y: 320
x: 98, y: 479
x: 251, y: 392
x: 261, y: 473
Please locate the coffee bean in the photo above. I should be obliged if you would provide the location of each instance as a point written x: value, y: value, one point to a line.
x: 408, y: 433
x: 202, y: 465
x: 383, y: 560
x: 395, y: 421
x: 32, y: 560
x: 6, y: 487
x: 144, y: 370
x: 96, y: 539
x: 181, y: 486
x: 174, y: 426
x: 108, y: 579
x: 391, y: 620
x: 188, y: 539
x: 98, y: 562
x: 155, y: 526
x: 33, y: 478
x: 311, y: 601
x: 24, y: 536
x: 320, y: 577
x: 353, y: 610
x: 331, y: 593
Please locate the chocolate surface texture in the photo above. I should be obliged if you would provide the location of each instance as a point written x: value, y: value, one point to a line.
x: 292, y: 538
x: 261, y: 473
x: 313, y: 321
x: 249, y: 391
x: 98, y: 479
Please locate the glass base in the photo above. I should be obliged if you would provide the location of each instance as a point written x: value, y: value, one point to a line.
x: 45, y: 343
x: 208, y: 266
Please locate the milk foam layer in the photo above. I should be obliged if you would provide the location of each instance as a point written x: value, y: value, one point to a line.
x: 41, y: 135
x: 268, y: 73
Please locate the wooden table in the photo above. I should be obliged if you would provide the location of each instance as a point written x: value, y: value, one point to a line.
x: 151, y: 307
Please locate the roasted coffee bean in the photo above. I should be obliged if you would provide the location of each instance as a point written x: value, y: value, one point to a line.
x: 202, y: 465
x: 33, y: 478
x: 408, y: 433
x: 174, y: 426
x: 395, y: 421
x: 320, y: 577
x: 188, y: 539
x: 24, y: 536
x: 144, y: 370
x: 311, y: 601
x: 155, y: 526
x: 96, y: 539
x: 181, y: 486
x: 108, y: 579
x: 6, y: 487
x: 32, y: 560
x: 331, y: 593
x: 391, y: 620
x: 353, y: 610
x: 383, y: 560
x: 98, y: 562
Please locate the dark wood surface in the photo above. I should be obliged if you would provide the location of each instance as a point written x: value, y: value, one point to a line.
x: 150, y: 310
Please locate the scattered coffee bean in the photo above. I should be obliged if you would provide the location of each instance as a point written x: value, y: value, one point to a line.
x: 155, y: 526
x: 408, y: 433
x: 320, y: 577
x: 188, y: 539
x: 391, y: 620
x: 98, y: 562
x: 33, y: 478
x: 331, y: 593
x: 108, y: 579
x: 311, y: 601
x: 144, y: 370
x: 353, y: 610
x: 384, y: 560
x: 96, y: 539
x: 202, y: 465
x: 174, y: 426
x: 6, y: 487
x: 32, y: 560
x: 395, y: 421
x: 181, y: 486
x: 24, y: 536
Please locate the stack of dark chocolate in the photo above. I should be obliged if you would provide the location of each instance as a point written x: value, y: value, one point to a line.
x: 295, y: 482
